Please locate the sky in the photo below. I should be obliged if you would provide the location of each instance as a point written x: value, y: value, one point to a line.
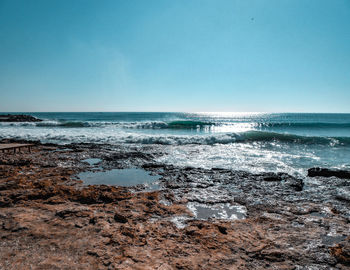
x: 182, y: 55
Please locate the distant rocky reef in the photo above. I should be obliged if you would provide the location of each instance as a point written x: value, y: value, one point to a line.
x: 18, y: 118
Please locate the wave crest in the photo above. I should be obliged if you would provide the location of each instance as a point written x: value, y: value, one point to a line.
x: 244, y: 137
x: 303, y: 125
x: 110, y: 136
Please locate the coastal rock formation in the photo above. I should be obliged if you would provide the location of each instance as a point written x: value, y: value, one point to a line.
x: 324, y: 172
x: 342, y: 252
x: 18, y: 118
x: 49, y: 220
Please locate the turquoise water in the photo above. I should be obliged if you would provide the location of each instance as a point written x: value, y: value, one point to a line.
x: 255, y: 142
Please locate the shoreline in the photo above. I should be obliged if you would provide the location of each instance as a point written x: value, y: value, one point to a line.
x: 48, y: 220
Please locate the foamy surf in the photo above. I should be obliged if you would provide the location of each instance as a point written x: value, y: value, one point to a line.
x: 251, y: 142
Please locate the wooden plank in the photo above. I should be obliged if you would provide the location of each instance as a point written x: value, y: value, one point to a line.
x: 14, y: 146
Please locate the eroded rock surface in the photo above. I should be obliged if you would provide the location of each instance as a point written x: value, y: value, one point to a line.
x: 200, y: 219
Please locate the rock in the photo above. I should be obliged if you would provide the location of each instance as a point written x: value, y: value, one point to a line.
x: 19, y: 162
x: 222, y: 229
x: 271, y: 177
x: 120, y: 218
x: 127, y: 231
x: 312, y: 172
x: 8, y: 185
x: 55, y: 200
x: 50, y: 221
x: 73, y: 211
x: 5, y: 202
x: 295, y: 183
x: 342, y: 252
x: 13, y: 226
x: 343, y: 194
x: 128, y: 155
x: 152, y: 165
x: 18, y: 118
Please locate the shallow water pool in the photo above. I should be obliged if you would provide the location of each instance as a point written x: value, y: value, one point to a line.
x: 120, y: 177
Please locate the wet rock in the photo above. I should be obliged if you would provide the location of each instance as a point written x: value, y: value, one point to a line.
x: 312, y: 172
x: 127, y: 155
x: 18, y: 118
x: 270, y: 177
x: 152, y: 165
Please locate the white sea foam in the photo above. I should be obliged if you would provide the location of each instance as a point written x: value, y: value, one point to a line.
x: 251, y: 142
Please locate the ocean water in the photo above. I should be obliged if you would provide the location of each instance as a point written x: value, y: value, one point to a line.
x: 256, y: 142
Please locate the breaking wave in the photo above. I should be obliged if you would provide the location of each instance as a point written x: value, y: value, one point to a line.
x: 178, y: 125
x: 128, y: 125
x: 304, y: 125
x: 244, y: 137
x: 111, y: 136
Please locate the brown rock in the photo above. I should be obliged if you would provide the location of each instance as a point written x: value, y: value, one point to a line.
x: 120, y: 218
x: 342, y: 252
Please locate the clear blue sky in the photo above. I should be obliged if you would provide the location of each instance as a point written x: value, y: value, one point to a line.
x: 182, y: 55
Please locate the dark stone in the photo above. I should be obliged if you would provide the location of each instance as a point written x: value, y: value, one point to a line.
x: 312, y: 172
x: 222, y: 229
x: 18, y: 118
x: 190, y: 232
x: 92, y: 253
x: 64, y: 213
x: 5, y: 202
x: 128, y: 155
x: 296, y: 184
x: 272, y: 177
x: 200, y: 226
x: 152, y: 166
x: 120, y: 218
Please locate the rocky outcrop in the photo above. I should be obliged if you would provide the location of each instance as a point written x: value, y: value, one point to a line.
x: 342, y: 252
x: 48, y: 220
x: 18, y: 118
x: 324, y: 172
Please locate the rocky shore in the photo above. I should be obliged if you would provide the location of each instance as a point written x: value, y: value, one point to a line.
x: 198, y: 219
x: 18, y: 118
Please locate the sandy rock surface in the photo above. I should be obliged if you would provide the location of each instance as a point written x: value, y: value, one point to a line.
x: 50, y: 220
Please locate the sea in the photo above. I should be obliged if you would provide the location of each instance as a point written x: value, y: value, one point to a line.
x: 254, y: 142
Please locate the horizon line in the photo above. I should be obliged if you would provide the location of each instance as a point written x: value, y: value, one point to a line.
x: 199, y: 112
